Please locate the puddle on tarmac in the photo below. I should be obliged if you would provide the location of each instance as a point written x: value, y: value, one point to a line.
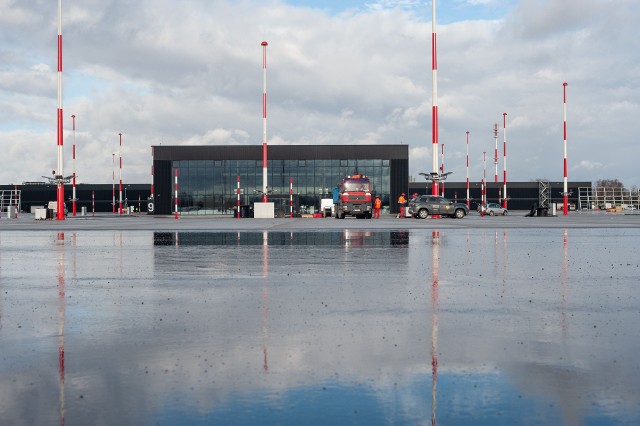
x: 449, y: 327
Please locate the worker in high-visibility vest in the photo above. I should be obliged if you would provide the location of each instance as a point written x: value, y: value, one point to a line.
x: 377, y: 204
x: 401, y: 202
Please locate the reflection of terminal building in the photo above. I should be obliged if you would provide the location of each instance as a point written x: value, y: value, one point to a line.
x: 207, y: 175
x: 336, y: 239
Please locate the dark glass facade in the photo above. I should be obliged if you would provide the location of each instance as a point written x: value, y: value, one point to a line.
x: 208, y: 176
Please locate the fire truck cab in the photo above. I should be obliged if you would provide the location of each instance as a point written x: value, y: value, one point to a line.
x: 352, y: 196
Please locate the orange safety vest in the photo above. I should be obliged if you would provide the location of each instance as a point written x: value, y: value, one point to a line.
x: 402, y: 200
x: 377, y: 203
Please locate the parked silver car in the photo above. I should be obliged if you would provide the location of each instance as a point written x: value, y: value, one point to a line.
x: 493, y: 209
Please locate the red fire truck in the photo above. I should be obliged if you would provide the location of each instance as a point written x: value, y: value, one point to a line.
x: 352, y: 197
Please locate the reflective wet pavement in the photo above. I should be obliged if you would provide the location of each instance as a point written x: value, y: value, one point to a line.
x: 423, y: 326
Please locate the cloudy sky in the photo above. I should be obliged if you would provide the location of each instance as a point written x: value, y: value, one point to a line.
x: 339, y: 72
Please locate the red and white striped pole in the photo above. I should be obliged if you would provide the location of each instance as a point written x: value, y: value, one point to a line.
x: 138, y: 204
x: 291, y: 197
x: 113, y: 182
x: 504, y: 185
x: 60, y: 169
x: 483, y: 202
x: 73, y: 200
x: 468, y: 201
x: 152, y: 172
x: 434, y: 107
x: 120, y: 198
x: 93, y: 203
x: 442, y: 170
x: 238, y: 194
x: 176, y: 194
x: 495, y: 158
x: 565, y: 208
x: 264, y: 121
x: 16, y: 199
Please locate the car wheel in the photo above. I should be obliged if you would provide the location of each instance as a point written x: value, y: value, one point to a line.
x: 505, y: 213
x: 459, y: 214
x: 491, y: 213
x: 423, y: 213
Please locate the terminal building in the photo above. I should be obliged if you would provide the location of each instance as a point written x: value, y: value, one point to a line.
x: 208, y: 175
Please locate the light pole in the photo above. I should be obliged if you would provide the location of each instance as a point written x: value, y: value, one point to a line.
x: 113, y: 184
x: 264, y: 122
x: 565, y: 208
x: 483, y: 202
x: 504, y: 188
x: 434, y: 107
x: 73, y: 201
x: 120, y: 198
x: 60, y: 176
x: 468, y: 202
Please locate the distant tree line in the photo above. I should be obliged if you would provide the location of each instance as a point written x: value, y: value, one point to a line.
x: 613, y: 183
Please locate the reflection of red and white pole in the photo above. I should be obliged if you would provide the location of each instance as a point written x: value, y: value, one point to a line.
x: 73, y: 200
x: 565, y: 278
x: 60, y: 169
x: 434, y: 89
x: 93, y: 203
x: 435, y: 238
x: 113, y: 182
x: 176, y: 194
x: 120, y: 199
x: 495, y: 158
x: 468, y: 202
x: 442, y: 170
x: 238, y: 195
x: 565, y: 208
x: 504, y: 186
x: 291, y: 197
x: 264, y: 121
x: 61, y: 319
x: 265, y: 301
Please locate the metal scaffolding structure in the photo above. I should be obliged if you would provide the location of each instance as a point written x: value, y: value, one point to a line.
x: 602, y: 198
x: 544, y: 193
x: 9, y: 198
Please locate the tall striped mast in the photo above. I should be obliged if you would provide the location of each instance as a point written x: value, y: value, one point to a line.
x: 504, y: 185
x: 264, y: 121
x: 73, y: 199
x: 152, y: 172
x: 60, y: 168
x: 495, y: 157
x: 468, y: 202
x: 120, y: 198
x: 434, y: 108
x: 565, y: 208
x: 442, y: 170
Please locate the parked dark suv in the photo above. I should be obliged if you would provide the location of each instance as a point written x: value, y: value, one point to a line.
x: 425, y: 205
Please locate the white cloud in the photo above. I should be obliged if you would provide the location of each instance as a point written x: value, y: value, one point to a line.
x: 191, y: 72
